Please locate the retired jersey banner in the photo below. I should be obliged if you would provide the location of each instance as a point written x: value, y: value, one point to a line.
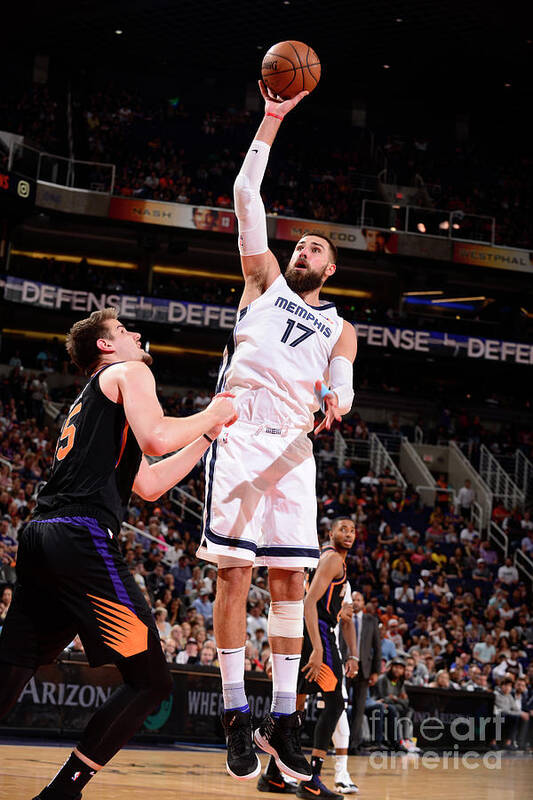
x: 483, y: 255
x: 132, y: 307
x: 176, y: 215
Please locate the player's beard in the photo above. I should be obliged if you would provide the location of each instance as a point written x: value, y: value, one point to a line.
x: 303, y: 281
x: 147, y: 359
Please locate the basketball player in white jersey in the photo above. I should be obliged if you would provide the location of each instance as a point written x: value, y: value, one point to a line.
x: 289, y: 355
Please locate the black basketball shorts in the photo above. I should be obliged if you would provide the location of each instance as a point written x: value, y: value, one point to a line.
x: 330, y: 676
x: 72, y: 579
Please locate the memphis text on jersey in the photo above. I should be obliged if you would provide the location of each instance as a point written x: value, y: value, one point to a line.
x: 304, y: 313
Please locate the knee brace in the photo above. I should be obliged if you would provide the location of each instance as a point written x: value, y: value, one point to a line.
x: 341, y: 734
x: 286, y: 618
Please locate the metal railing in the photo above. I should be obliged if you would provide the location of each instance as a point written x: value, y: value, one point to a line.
x: 499, y: 537
x: 392, y: 442
x: 460, y: 468
x: 523, y: 471
x: 422, y: 221
x: 380, y: 459
x: 500, y: 483
x: 60, y: 171
x: 184, y: 501
x: 477, y: 516
x: 414, y: 468
x: 358, y: 450
x: 523, y: 563
x: 339, y: 448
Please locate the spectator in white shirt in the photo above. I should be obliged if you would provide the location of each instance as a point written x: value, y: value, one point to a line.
x: 255, y: 620
x: 485, y: 652
x: 468, y: 533
x: 507, y: 573
x: 465, y: 498
x: 404, y: 593
x: 369, y: 480
x: 527, y: 522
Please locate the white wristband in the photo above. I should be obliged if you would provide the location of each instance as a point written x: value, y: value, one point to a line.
x: 341, y: 382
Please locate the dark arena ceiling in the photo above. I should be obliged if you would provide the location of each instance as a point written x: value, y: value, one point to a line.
x: 468, y: 48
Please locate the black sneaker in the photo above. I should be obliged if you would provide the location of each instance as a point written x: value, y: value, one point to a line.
x: 273, y: 781
x: 275, y: 785
x: 315, y: 788
x: 241, y: 761
x: 280, y: 737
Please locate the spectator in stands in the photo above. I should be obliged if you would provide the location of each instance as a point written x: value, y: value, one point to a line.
x: 524, y: 696
x: 485, y: 652
x: 510, y: 665
x: 404, y: 593
x: 256, y: 619
x: 190, y: 654
x: 465, y: 499
x: 508, y: 574
x: 509, y: 709
x: 468, y: 533
x: 208, y: 655
x: 390, y: 690
x: 527, y: 541
x: 203, y: 605
x: 481, y: 572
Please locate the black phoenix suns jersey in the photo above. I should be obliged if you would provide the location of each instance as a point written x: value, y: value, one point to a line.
x: 96, y: 459
x: 329, y: 605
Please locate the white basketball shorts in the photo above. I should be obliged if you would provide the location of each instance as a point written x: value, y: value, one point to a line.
x: 260, y: 502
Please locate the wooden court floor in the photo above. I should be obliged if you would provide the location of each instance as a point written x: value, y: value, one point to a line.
x: 169, y: 774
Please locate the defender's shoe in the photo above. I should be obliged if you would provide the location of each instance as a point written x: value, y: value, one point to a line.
x: 276, y: 785
x: 315, y: 788
x: 273, y: 781
x: 241, y: 761
x: 280, y: 737
x: 344, y: 784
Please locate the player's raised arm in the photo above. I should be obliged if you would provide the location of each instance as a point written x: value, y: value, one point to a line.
x: 157, y: 434
x: 259, y: 265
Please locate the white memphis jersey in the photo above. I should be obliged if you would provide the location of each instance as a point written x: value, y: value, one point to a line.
x: 280, y: 347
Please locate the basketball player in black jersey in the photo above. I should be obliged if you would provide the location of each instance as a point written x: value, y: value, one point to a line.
x: 323, y: 671
x: 69, y: 554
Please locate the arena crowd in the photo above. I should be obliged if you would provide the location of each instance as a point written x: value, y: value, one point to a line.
x: 452, y: 612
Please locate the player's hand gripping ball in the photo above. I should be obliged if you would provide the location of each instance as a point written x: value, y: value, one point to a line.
x: 290, y: 68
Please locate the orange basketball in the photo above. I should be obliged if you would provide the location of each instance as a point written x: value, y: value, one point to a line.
x: 289, y: 68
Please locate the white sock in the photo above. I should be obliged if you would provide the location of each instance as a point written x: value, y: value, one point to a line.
x: 285, y: 668
x: 231, y: 662
x: 341, y: 764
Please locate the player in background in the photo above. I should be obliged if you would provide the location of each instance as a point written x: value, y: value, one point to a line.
x: 260, y: 494
x: 323, y: 670
x: 69, y: 550
x: 341, y: 734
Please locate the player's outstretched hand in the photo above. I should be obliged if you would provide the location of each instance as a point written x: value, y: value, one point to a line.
x: 332, y: 413
x: 275, y: 104
x: 223, y: 409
